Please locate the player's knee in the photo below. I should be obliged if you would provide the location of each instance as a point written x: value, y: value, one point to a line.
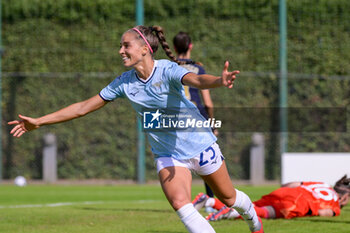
x: 228, y: 198
x: 177, y: 204
x: 178, y: 201
x: 228, y: 201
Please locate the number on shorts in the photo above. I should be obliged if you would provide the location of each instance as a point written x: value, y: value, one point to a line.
x: 202, y: 162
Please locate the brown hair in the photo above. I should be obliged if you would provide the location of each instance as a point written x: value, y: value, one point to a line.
x: 342, y: 186
x: 182, y: 42
x: 153, y: 35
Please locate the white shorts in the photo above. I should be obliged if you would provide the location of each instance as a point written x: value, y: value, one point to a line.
x: 205, y: 163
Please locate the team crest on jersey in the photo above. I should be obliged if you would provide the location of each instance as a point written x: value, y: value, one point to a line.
x: 157, y: 84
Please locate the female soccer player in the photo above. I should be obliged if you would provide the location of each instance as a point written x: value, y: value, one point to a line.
x: 294, y: 199
x: 158, y: 84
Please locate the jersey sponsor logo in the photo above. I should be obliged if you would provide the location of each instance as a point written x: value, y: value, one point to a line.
x: 134, y: 92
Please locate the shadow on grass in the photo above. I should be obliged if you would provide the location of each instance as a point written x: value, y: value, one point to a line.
x: 131, y: 210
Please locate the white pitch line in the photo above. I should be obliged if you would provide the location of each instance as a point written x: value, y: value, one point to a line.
x: 52, y: 204
x: 68, y: 204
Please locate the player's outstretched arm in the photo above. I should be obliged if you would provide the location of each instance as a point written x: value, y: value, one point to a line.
x: 73, y: 111
x: 204, y: 81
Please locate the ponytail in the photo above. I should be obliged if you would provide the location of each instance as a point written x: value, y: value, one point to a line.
x: 161, y: 38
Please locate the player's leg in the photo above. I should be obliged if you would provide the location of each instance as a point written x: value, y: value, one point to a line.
x: 210, y: 194
x: 265, y: 211
x: 222, y: 186
x: 176, y: 185
x: 208, y: 190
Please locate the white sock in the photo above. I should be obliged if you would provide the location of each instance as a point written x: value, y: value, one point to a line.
x: 245, y: 208
x: 193, y: 220
x: 233, y: 214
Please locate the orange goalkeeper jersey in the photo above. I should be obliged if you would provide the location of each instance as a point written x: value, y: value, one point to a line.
x: 304, y: 200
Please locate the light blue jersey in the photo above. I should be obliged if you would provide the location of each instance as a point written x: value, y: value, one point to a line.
x: 162, y: 90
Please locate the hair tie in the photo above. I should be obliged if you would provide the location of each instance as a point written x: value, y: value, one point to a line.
x: 144, y: 38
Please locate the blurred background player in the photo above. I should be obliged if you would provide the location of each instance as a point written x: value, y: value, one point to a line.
x: 183, y: 47
x: 294, y: 199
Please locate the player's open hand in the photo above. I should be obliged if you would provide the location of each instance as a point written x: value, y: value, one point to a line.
x: 24, y: 125
x: 228, y: 78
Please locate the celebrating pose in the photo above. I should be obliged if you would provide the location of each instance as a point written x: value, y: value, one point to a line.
x: 158, y: 84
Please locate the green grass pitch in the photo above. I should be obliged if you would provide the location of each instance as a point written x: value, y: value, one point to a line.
x: 126, y: 209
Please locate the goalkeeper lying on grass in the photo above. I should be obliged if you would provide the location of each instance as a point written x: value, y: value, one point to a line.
x: 295, y: 199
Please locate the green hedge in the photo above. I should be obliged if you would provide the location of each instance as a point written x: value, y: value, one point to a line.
x: 79, y: 36
x: 68, y: 11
